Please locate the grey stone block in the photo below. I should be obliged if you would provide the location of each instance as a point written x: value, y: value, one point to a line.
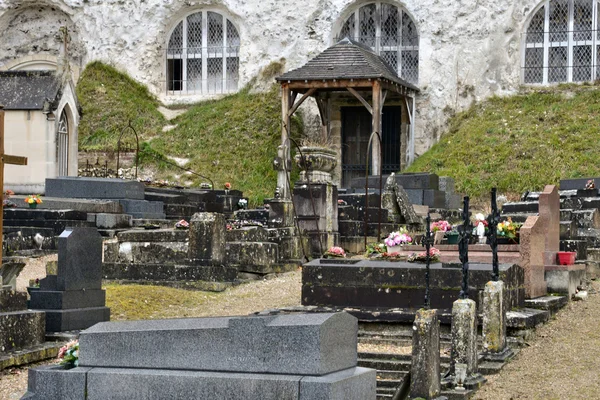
x: 575, y: 184
x: 113, y: 221
x: 11, y: 300
x: 143, y: 209
x: 425, y: 368
x: 447, y: 184
x: 79, y: 259
x: 207, y: 237
x: 111, y: 383
x: 418, y: 181
x: 20, y: 329
x: 351, y: 384
x: 415, y: 196
x: 94, y: 188
x: 246, y: 254
x: 60, y: 300
x: 55, y: 382
x: 154, y: 235
x: 75, y: 319
x: 303, y: 344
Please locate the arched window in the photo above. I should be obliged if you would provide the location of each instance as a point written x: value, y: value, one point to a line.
x: 562, y: 42
x: 202, y: 55
x: 390, y: 32
x: 62, y: 145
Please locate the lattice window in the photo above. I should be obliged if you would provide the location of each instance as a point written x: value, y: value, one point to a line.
x: 562, y: 42
x: 202, y: 55
x: 390, y: 32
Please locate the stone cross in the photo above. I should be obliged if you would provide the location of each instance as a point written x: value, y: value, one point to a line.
x: 5, y: 159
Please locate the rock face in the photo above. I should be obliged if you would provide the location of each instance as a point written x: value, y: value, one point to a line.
x: 461, y: 59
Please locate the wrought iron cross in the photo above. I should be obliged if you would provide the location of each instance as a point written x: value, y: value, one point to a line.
x: 493, y: 220
x: 5, y: 159
x: 428, y: 241
x: 463, y: 248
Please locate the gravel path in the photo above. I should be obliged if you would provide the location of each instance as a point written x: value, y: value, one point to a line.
x: 562, y: 362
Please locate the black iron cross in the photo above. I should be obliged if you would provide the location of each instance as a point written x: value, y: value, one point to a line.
x: 493, y: 220
x: 465, y: 232
x: 428, y: 241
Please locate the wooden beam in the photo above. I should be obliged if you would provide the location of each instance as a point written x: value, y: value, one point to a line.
x: 14, y: 160
x: 340, y: 84
x: 299, y: 102
x: 361, y: 99
x: 376, y: 146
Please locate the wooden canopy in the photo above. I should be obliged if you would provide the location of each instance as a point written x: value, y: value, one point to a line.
x: 346, y: 66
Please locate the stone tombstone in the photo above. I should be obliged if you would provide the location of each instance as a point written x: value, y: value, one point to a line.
x: 294, y: 356
x: 207, y: 238
x: 549, y: 211
x: 425, y: 368
x: 79, y: 259
x: 73, y: 298
x: 8, y: 274
x: 396, y: 201
x: 493, y: 330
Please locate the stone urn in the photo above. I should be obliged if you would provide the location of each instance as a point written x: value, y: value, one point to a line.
x: 316, y: 164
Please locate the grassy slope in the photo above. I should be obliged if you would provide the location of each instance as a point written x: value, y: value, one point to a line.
x: 110, y: 100
x: 233, y: 139
x: 521, y: 142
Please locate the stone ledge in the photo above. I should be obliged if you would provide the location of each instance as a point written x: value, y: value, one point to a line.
x: 526, y: 318
x: 30, y: 355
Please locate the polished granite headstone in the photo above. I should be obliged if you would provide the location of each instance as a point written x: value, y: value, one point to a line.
x: 295, y: 356
x: 73, y: 298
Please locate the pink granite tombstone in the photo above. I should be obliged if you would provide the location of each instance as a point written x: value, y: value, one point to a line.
x: 540, y: 242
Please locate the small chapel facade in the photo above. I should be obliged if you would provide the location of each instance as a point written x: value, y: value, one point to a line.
x: 41, y: 118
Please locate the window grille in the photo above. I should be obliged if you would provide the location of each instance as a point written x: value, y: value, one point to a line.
x: 562, y: 42
x: 390, y: 32
x: 202, y: 55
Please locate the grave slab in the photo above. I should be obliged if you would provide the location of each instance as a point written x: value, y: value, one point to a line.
x: 314, y: 344
x: 94, y: 188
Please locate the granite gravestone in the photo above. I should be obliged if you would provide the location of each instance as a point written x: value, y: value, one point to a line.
x: 73, y: 298
x: 297, y: 356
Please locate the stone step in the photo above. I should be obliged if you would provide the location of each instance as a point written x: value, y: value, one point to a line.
x: 386, y: 365
x: 526, y: 318
x: 161, y: 223
x: 154, y: 235
x: 192, y: 196
x: 357, y: 213
x: 593, y: 254
x: 547, y: 303
x: 358, y: 199
x: 155, y: 252
x: 181, y: 211
x: 256, y: 257
x: 259, y: 215
x: 247, y: 234
x: 58, y: 226
x: 390, y: 375
x: 590, y: 202
x: 43, y: 214
x: 520, y: 207
x: 160, y: 273
x: 166, y: 198
x: 143, y: 208
x: 586, y: 219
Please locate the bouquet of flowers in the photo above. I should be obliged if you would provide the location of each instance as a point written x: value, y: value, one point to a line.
x: 335, y: 251
x: 443, y: 226
x: 398, y: 238
x: 242, y: 204
x: 182, y: 224
x: 375, y: 249
x: 6, y: 199
x: 509, y: 229
x: 69, y: 354
x: 434, y: 256
x: 33, y: 199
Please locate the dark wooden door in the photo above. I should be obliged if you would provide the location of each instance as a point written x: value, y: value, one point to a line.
x: 356, y: 130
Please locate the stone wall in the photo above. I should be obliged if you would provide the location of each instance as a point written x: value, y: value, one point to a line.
x: 469, y: 50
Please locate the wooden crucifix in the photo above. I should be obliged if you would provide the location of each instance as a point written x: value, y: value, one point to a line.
x: 5, y: 159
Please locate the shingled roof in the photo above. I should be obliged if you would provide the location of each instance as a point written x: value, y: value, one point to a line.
x: 27, y: 90
x: 346, y: 59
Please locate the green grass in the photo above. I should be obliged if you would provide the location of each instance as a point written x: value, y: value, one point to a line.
x: 233, y: 139
x: 109, y: 100
x: 519, y: 143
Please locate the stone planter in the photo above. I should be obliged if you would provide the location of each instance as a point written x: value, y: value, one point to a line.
x: 316, y: 164
x: 452, y: 237
x: 395, y: 249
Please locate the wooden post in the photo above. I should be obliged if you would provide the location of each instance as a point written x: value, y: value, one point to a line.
x: 5, y: 159
x: 376, y: 127
x: 283, y: 174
